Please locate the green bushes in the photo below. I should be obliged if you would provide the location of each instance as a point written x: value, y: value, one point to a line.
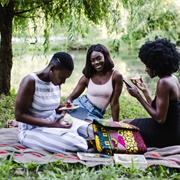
x: 7, y: 108
x: 130, y: 108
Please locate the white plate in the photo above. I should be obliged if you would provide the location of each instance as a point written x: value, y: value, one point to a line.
x: 68, y: 108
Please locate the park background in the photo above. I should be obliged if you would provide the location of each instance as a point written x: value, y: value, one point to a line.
x: 40, y: 28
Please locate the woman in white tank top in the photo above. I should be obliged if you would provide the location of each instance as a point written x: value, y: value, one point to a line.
x: 103, y: 83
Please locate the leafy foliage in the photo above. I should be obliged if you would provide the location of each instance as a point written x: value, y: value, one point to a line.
x: 22, y: 17
x: 7, y: 108
x: 149, y: 18
x: 47, y: 13
x: 127, y: 22
x: 129, y: 108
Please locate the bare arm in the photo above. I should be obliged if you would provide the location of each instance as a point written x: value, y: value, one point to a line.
x: 23, y: 102
x: 79, y: 89
x: 162, y: 101
x: 117, y: 85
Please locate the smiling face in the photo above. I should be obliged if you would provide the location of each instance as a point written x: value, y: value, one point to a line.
x: 59, y: 77
x: 97, y: 60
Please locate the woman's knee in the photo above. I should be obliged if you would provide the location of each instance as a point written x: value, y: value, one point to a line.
x: 86, y: 131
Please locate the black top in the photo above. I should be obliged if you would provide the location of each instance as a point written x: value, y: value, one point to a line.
x: 156, y: 135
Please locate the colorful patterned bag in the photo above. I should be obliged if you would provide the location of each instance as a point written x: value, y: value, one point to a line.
x: 117, y: 137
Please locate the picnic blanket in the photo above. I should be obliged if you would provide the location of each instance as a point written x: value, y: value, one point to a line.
x: 9, y: 146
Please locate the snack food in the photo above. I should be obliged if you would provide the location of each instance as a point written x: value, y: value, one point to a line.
x: 136, y: 77
x: 68, y: 104
x: 67, y: 119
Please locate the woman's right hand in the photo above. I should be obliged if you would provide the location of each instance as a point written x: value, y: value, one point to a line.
x: 59, y: 124
x: 133, y: 91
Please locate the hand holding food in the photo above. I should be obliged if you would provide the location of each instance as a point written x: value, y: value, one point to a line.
x: 68, y: 104
x: 66, y: 120
x: 137, y: 80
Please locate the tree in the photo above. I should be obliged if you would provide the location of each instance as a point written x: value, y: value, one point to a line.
x: 147, y: 19
x: 144, y: 19
x: 16, y: 14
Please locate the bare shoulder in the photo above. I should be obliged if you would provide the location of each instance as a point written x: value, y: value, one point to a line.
x: 28, y: 80
x: 27, y: 84
x: 169, y: 85
x: 117, y: 75
x: 168, y: 81
x: 83, y: 80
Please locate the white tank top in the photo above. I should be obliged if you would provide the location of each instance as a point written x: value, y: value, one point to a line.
x: 100, y: 94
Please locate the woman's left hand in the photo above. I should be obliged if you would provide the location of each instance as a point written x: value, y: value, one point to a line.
x: 60, y: 111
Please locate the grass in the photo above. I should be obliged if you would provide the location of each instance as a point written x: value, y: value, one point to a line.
x: 59, y: 170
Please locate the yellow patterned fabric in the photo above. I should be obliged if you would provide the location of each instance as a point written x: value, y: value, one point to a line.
x: 117, y: 137
x: 131, y: 145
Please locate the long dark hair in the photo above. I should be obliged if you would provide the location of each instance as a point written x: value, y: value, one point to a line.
x: 88, y: 70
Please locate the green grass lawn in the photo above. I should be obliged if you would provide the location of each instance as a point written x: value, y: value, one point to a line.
x: 63, y: 171
x: 59, y: 170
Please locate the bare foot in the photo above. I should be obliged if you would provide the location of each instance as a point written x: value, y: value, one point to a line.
x: 12, y: 123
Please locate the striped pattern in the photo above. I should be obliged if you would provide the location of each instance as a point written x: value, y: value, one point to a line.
x: 45, y: 100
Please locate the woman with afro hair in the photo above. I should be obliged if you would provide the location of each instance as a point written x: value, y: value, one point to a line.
x: 161, y: 59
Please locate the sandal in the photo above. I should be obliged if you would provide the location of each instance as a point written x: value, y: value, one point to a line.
x: 12, y: 123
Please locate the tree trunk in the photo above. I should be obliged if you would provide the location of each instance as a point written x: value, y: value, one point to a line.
x: 6, y: 17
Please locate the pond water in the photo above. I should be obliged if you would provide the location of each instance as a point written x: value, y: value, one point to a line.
x: 127, y: 62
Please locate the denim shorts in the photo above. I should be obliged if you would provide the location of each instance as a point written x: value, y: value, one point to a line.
x: 94, y: 111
